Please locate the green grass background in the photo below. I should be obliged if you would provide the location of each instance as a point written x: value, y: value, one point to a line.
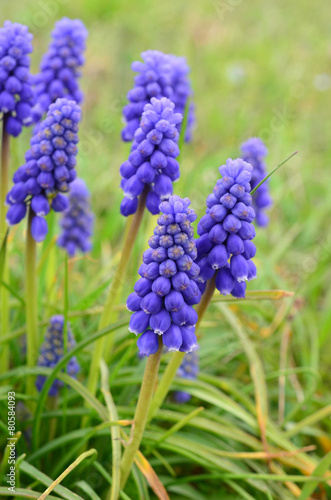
x: 258, y: 68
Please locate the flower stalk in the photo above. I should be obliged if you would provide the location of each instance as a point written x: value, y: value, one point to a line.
x: 31, y: 302
x: 177, y: 358
x: 141, y: 414
x: 4, y: 177
x: 116, y: 285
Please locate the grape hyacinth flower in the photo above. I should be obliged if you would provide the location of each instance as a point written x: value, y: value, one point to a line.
x: 48, y: 170
x: 16, y: 92
x: 160, y: 75
x: 254, y: 151
x: 152, y: 161
x: 189, y: 369
x: 51, y: 352
x: 164, y: 295
x: 59, y: 68
x: 77, y: 220
x: 225, y: 232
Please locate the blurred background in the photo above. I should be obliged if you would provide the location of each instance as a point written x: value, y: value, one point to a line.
x: 258, y: 68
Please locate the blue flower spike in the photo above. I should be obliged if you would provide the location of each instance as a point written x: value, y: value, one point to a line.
x: 163, y: 297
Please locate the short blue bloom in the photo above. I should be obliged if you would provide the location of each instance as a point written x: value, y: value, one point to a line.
x: 16, y: 91
x: 189, y: 369
x: 51, y: 352
x: 48, y: 170
x: 60, y: 66
x: 225, y: 232
x: 160, y: 75
x: 164, y: 295
x: 152, y: 162
x: 254, y: 151
x: 77, y: 220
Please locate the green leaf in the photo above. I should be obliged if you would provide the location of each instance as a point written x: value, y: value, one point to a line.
x: 61, y: 364
x: 115, y: 433
x: 272, y: 172
x: 47, y: 481
x: 320, y: 470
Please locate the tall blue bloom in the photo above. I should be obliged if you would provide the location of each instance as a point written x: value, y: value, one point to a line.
x: 164, y: 295
x: 152, y: 162
x: 77, y: 220
x: 189, y: 369
x: 254, y: 151
x: 160, y: 75
x: 225, y: 232
x: 16, y: 93
x: 60, y: 66
x: 51, y: 352
x: 48, y: 170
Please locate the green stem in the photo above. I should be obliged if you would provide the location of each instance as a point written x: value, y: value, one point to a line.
x: 177, y: 358
x: 4, y: 176
x: 31, y: 303
x: 115, y: 288
x: 141, y: 413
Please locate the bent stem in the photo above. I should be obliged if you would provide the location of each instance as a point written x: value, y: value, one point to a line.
x: 141, y: 414
x: 4, y: 176
x: 116, y: 285
x: 31, y: 303
x: 177, y: 357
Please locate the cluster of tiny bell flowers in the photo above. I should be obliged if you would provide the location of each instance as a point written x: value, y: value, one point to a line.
x: 160, y: 75
x: 52, y: 351
x: 48, y: 170
x: 77, y: 221
x: 163, y: 298
x: 16, y: 90
x: 152, y: 162
x: 225, y: 246
x: 60, y: 66
x: 254, y: 151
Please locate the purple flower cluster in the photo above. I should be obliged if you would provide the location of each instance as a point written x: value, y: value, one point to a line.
x: 225, y: 232
x: 48, y: 170
x: 152, y: 161
x: 59, y: 69
x: 77, y: 220
x: 51, y: 352
x: 160, y: 75
x: 163, y: 297
x: 189, y: 369
x: 254, y: 151
x: 16, y: 92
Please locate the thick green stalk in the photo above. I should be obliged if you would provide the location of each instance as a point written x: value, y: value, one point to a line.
x: 141, y: 413
x: 31, y: 303
x: 5, y: 157
x: 114, y: 290
x: 177, y: 358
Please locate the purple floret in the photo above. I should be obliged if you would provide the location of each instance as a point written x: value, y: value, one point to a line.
x: 225, y: 232
x: 164, y: 295
x: 152, y: 162
x: 254, y: 151
x: 60, y: 66
x: 189, y: 369
x: 77, y: 220
x: 160, y: 75
x: 51, y: 352
x: 16, y: 92
x: 49, y: 168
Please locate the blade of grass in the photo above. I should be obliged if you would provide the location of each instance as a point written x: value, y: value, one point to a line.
x: 47, y: 481
x: 321, y: 469
x: 61, y: 364
x: 115, y: 433
x: 64, y: 474
x: 272, y: 172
